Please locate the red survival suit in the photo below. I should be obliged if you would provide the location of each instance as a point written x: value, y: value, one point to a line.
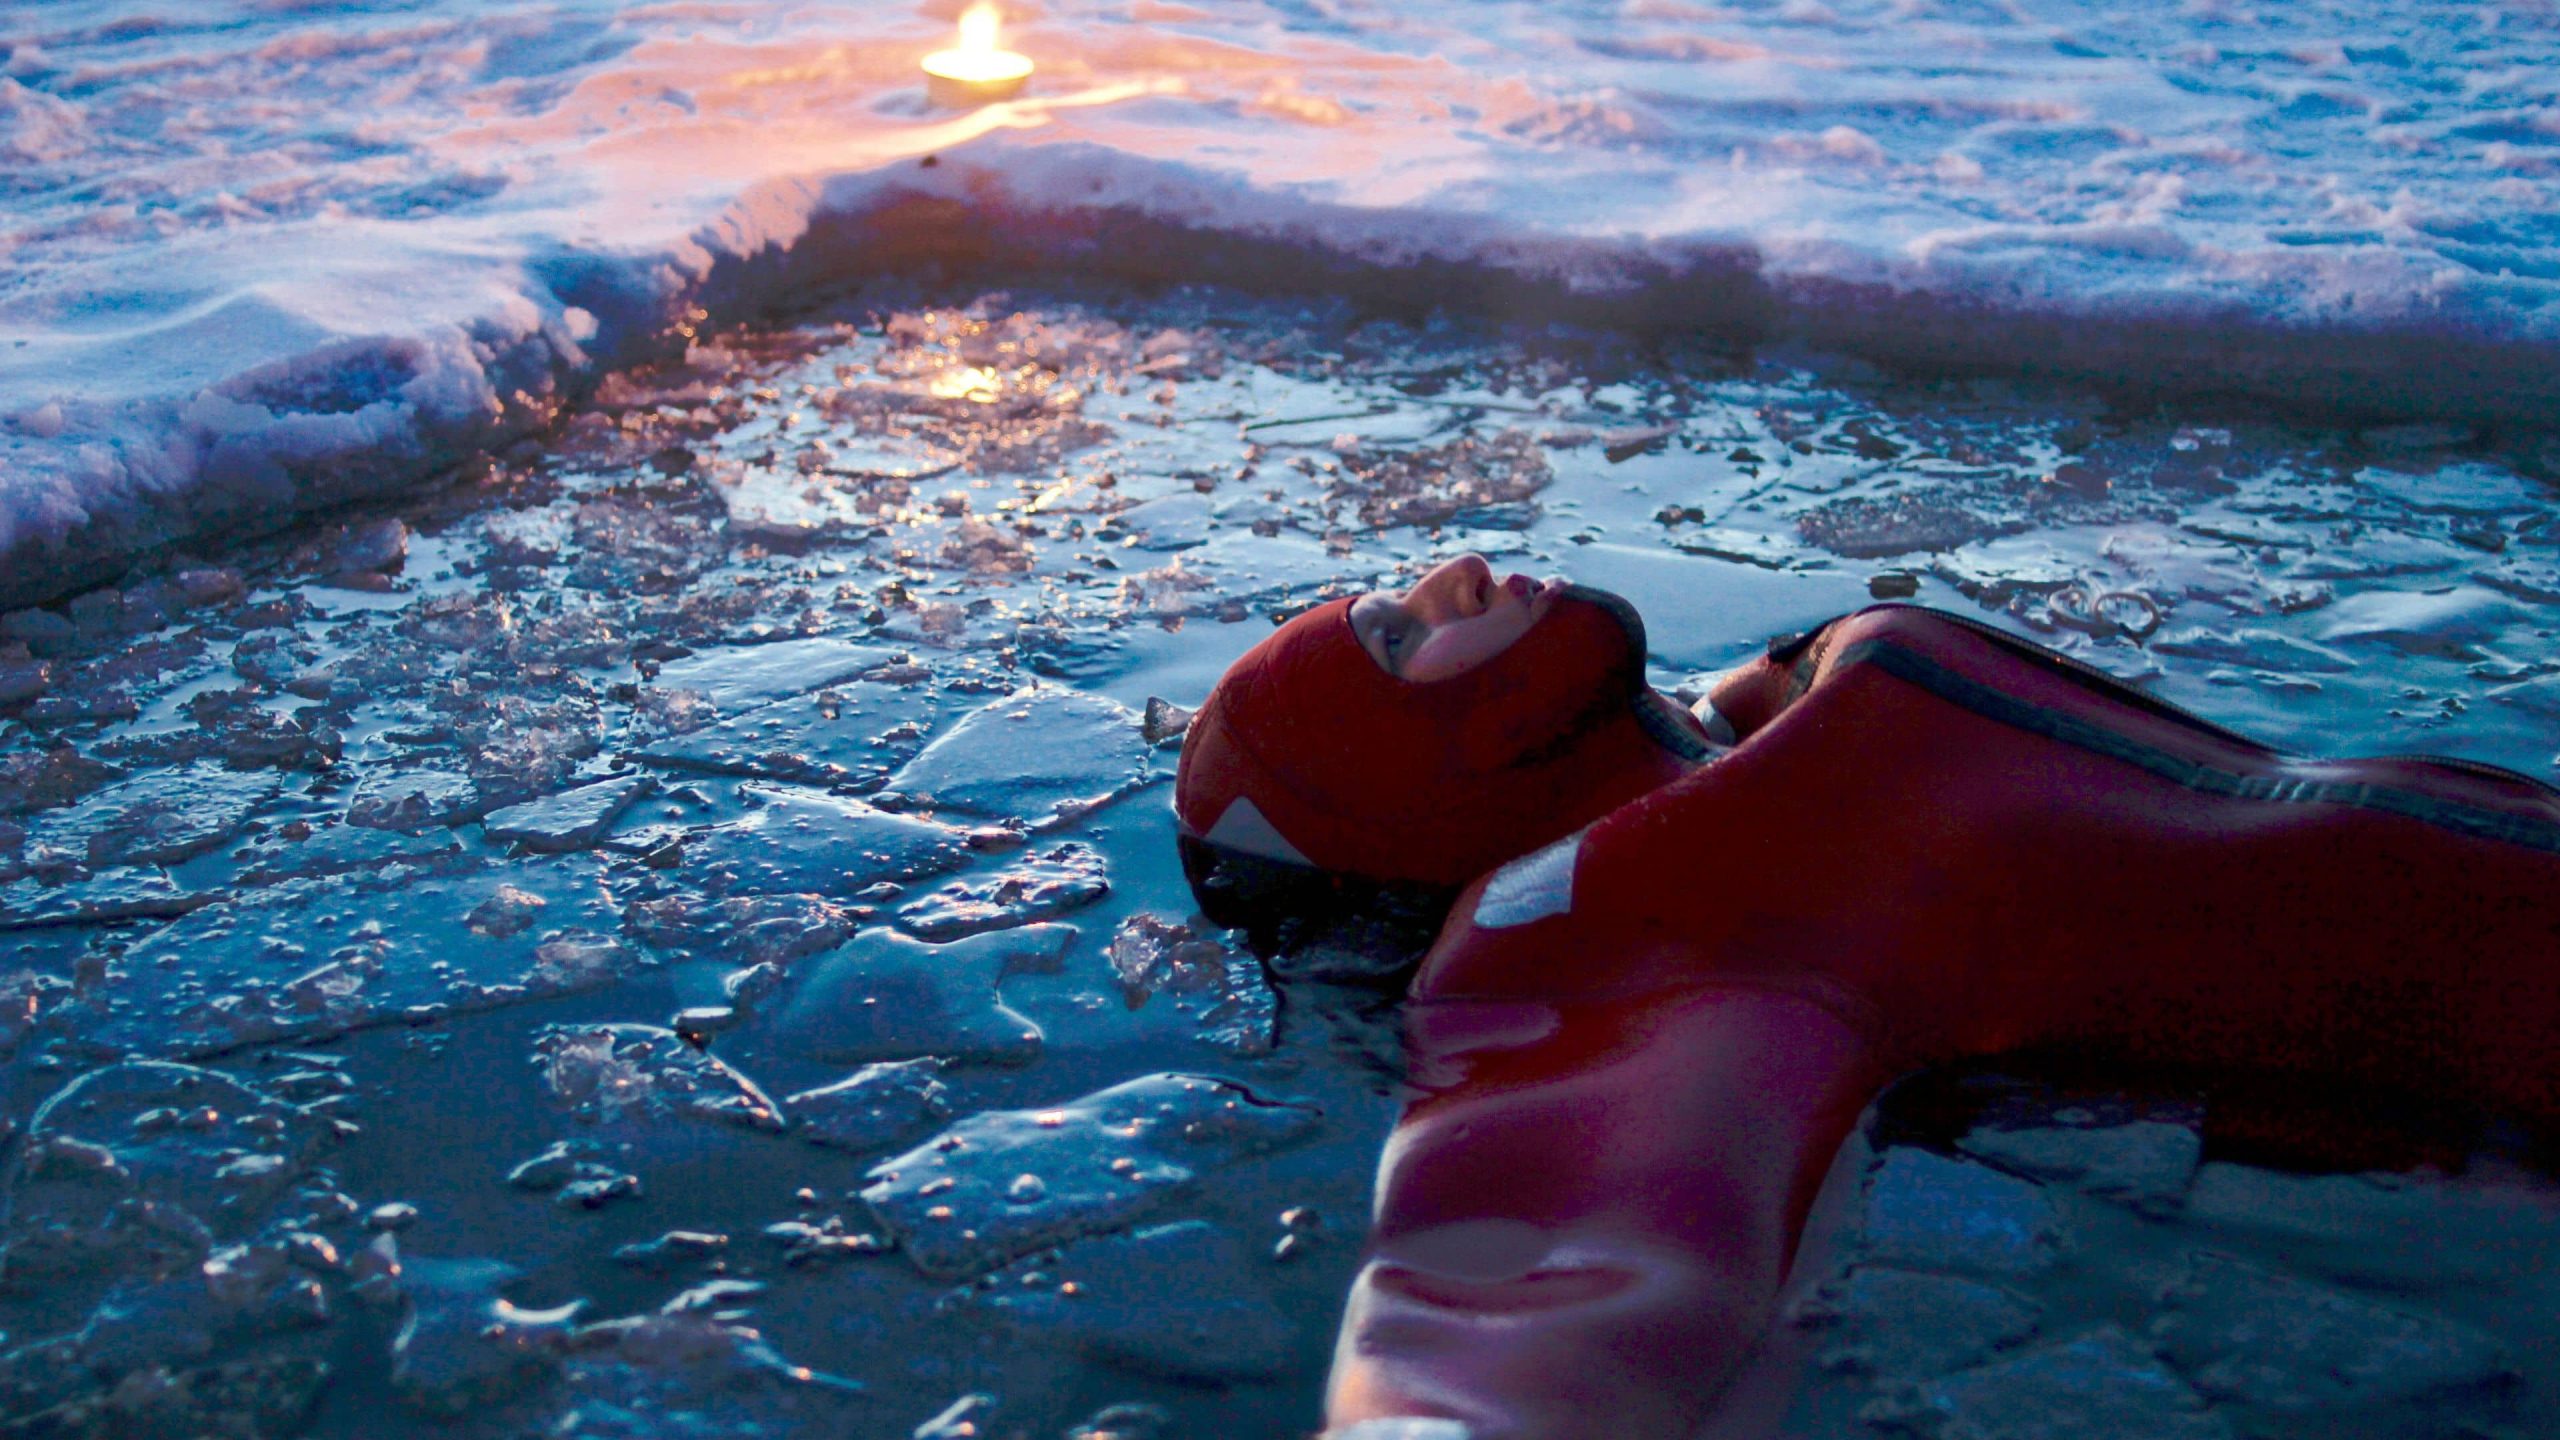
x: 1637, y: 1049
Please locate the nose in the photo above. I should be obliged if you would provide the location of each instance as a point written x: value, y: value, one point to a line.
x: 1461, y: 588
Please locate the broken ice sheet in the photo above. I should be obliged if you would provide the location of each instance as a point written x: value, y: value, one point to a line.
x: 413, y: 800
x: 574, y: 1174
x: 571, y: 820
x: 1888, y: 1321
x: 1183, y: 1301
x: 2253, y: 1336
x: 1221, y: 983
x: 884, y: 996
x: 1172, y: 522
x: 2102, y: 1380
x: 743, y: 930
x: 2258, y: 649
x: 1926, y: 1210
x: 2148, y: 1164
x: 157, y: 818
x: 302, y: 851
x: 308, y: 961
x: 251, y: 1396
x: 802, y: 842
x: 149, y: 1159
x: 1869, y: 529
x: 687, y: 1373
x: 1039, y: 756
x: 128, y: 893
x: 849, y: 734
x: 463, y: 1347
x: 1004, y: 1183
x: 1033, y: 887
x: 1240, y: 568
x: 2452, y: 622
x: 739, y: 678
x: 875, y: 1106
x: 614, y: 1074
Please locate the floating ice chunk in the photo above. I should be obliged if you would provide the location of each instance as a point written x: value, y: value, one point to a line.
x: 261, y: 1394
x: 876, y: 1106
x: 1058, y: 880
x: 1138, y: 1420
x: 23, y: 680
x: 1935, y: 1213
x: 377, y: 546
x: 311, y: 962
x: 2379, y: 554
x: 1174, y: 522
x: 2258, y: 649
x: 574, y: 1174
x: 610, y: 1074
x: 125, y: 894
x: 1220, y: 984
x: 1104, y: 1161
x: 571, y: 820
x: 1892, y: 1322
x: 463, y: 1347
x: 849, y: 734
x: 674, y: 1250
x: 1861, y: 528
x: 159, y: 818
x: 1039, y: 756
x: 2525, y: 578
x: 145, y: 1160
x: 26, y: 995
x: 1183, y: 1301
x: 1436, y: 484
x: 743, y: 930
x: 2146, y: 1163
x: 886, y: 997
x: 744, y: 677
x: 1241, y: 568
x: 692, y: 1375
x: 2379, y: 1230
x: 2454, y: 623
x: 2539, y: 697
x: 2260, y: 1338
x: 2102, y: 1381
x: 2467, y: 488
x: 798, y: 842
x: 301, y: 851
x: 963, y: 1418
x: 413, y: 800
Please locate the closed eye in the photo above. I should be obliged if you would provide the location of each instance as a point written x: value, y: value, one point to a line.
x: 1387, y: 634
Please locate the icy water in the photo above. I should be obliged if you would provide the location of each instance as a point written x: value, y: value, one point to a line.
x: 677, y: 933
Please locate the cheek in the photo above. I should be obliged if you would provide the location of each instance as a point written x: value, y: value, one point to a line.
x: 1461, y: 645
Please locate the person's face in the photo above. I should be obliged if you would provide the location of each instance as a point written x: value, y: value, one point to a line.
x: 1452, y: 620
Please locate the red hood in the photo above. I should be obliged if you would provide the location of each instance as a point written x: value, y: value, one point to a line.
x: 1347, y: 768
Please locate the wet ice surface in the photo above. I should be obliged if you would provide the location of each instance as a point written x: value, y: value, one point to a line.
x: 683, y: 923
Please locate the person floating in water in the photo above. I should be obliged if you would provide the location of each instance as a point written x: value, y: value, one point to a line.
x: 1690, y: 947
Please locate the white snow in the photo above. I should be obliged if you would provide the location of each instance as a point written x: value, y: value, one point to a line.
x: 264, y: 256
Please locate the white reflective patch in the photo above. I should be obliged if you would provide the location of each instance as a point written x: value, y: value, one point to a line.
x: 1719, y: 729
x: 1414, y: 1427
x: 1532, y: 887
x: 1242, y: 826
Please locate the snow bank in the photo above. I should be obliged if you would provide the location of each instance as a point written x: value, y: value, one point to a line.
x: 269, y: 258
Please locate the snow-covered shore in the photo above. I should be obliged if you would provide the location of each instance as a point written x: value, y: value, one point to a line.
x: 267, y: 259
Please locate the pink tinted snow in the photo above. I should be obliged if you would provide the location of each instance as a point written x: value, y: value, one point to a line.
x: 267, y: 262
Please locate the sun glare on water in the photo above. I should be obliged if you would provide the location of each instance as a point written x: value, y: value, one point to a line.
x: 978, y: 69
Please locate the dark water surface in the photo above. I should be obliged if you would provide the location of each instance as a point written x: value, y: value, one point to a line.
x: 677, y: 934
